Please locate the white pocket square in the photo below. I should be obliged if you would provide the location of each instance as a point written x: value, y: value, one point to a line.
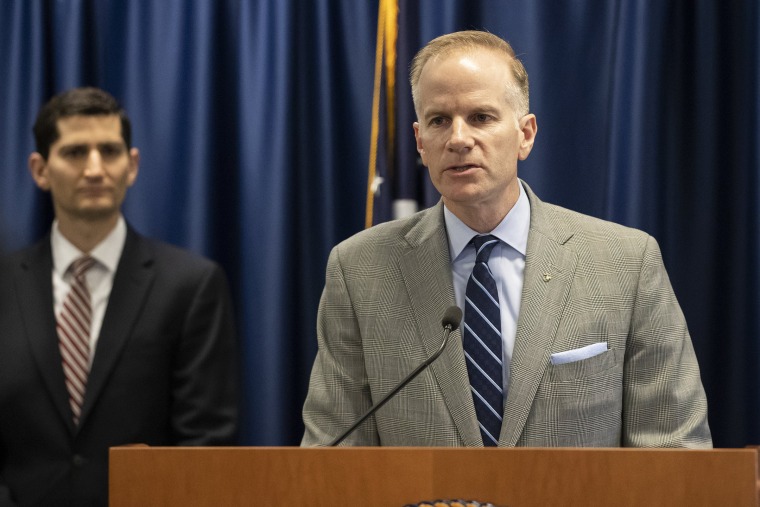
x: 571, y: 356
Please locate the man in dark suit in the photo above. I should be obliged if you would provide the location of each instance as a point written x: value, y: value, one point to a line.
x: 572, y: 335
x: 135, y: 344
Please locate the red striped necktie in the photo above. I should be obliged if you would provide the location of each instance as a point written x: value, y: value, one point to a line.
x: 73, y: 325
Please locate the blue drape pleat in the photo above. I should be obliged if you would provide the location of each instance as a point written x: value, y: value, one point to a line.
x: 306, y: 92
x: 23, y: 66
x: 253, y: 123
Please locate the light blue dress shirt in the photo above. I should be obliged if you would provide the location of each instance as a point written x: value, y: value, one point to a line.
x: 507, y: 263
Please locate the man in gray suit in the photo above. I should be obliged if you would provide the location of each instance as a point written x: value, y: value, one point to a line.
x: 592, y: 348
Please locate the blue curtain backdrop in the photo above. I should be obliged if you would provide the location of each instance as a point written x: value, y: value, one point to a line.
x: 253, y: 120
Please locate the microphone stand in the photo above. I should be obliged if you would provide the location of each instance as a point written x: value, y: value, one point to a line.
x: 448, y: 328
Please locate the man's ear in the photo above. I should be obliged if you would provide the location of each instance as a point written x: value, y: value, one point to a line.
x: 420, y: 148
x: 529, y: 129
x: 38, y: 169
x: 134, y: 166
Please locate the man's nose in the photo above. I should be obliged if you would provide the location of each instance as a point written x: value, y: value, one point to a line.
x: 94, y: 164
x: 461, y: 135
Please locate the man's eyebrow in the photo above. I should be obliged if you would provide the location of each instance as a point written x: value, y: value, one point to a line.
x: 86, y: 143
x: 68, y: 146
x: 433, y: 112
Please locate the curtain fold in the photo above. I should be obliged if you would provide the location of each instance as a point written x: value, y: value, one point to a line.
x: 253, y: 120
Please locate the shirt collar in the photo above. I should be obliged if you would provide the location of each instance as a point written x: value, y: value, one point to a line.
x: 107, y: 252
x: 512, y: 230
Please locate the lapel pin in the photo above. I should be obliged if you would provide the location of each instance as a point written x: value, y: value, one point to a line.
x: 547, y: 277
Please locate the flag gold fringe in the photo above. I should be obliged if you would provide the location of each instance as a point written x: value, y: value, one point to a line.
x: 387, y: 27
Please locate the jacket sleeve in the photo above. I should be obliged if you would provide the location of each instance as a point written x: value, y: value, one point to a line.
x: 5, y: 495
x: 5, y: 492
x: 205, y: 374
x: 339, y: 391
x: 664, y: 401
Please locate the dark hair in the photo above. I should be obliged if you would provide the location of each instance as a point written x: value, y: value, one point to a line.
x: 75, y: 102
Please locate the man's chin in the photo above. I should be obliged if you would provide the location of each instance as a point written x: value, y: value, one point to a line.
x: 462, y: 195
x: 98, y: 213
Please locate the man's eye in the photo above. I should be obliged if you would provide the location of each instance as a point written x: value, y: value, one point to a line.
x: 111, y: 150
x: 482, y: 117
x: 438, y: 120
x: 75, y: 152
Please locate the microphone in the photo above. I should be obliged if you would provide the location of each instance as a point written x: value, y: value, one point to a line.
x: 450, y: 322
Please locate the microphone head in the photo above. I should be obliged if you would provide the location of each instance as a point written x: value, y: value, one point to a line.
x: 452, y: 317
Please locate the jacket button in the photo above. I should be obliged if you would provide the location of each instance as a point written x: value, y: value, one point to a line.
x: 78, y: 460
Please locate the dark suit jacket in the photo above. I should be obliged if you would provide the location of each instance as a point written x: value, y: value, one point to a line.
x: 586, y: 281
x: 164, y: 371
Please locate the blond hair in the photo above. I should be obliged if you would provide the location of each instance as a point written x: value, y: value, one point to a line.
x: 445, y: 45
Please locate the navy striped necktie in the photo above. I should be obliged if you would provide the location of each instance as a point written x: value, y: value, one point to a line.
x: 482, y: 342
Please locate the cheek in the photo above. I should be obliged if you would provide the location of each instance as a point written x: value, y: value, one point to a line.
x: 121, y: 176
x: 430, y: 148
x: 60, y: 184
x: 436, y: 178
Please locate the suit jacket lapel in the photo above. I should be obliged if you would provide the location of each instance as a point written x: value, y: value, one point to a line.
x: 426, y: 270
x: 131, y: 283
x: 549, y: 269
x: 35, y: 293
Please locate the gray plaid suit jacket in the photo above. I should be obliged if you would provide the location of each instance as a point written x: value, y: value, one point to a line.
x: 586, y: 281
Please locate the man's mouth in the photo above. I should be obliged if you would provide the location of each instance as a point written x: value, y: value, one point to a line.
x: 462, y: 168
x: 93, y: 190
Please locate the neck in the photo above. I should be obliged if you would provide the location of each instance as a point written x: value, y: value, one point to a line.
x: 483, y: 217
x: 86, y: 234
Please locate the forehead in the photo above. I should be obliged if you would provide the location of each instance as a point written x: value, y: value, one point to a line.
x: 478, y: 74
x: 89, y: 129
x: 468, y: 60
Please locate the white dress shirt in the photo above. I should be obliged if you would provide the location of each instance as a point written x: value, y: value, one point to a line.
x: 99, y: 278
x: 507, y: 263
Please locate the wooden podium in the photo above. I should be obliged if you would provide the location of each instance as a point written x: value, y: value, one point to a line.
x: 388, y: 477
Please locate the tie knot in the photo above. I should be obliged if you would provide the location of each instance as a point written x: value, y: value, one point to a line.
x: 80, y: 266
x: 483, y: 246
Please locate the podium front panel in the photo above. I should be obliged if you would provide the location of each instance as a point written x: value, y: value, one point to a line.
x: 384, y: 476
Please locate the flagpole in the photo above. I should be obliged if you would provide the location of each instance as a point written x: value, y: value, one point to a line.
x: 386, y: 44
